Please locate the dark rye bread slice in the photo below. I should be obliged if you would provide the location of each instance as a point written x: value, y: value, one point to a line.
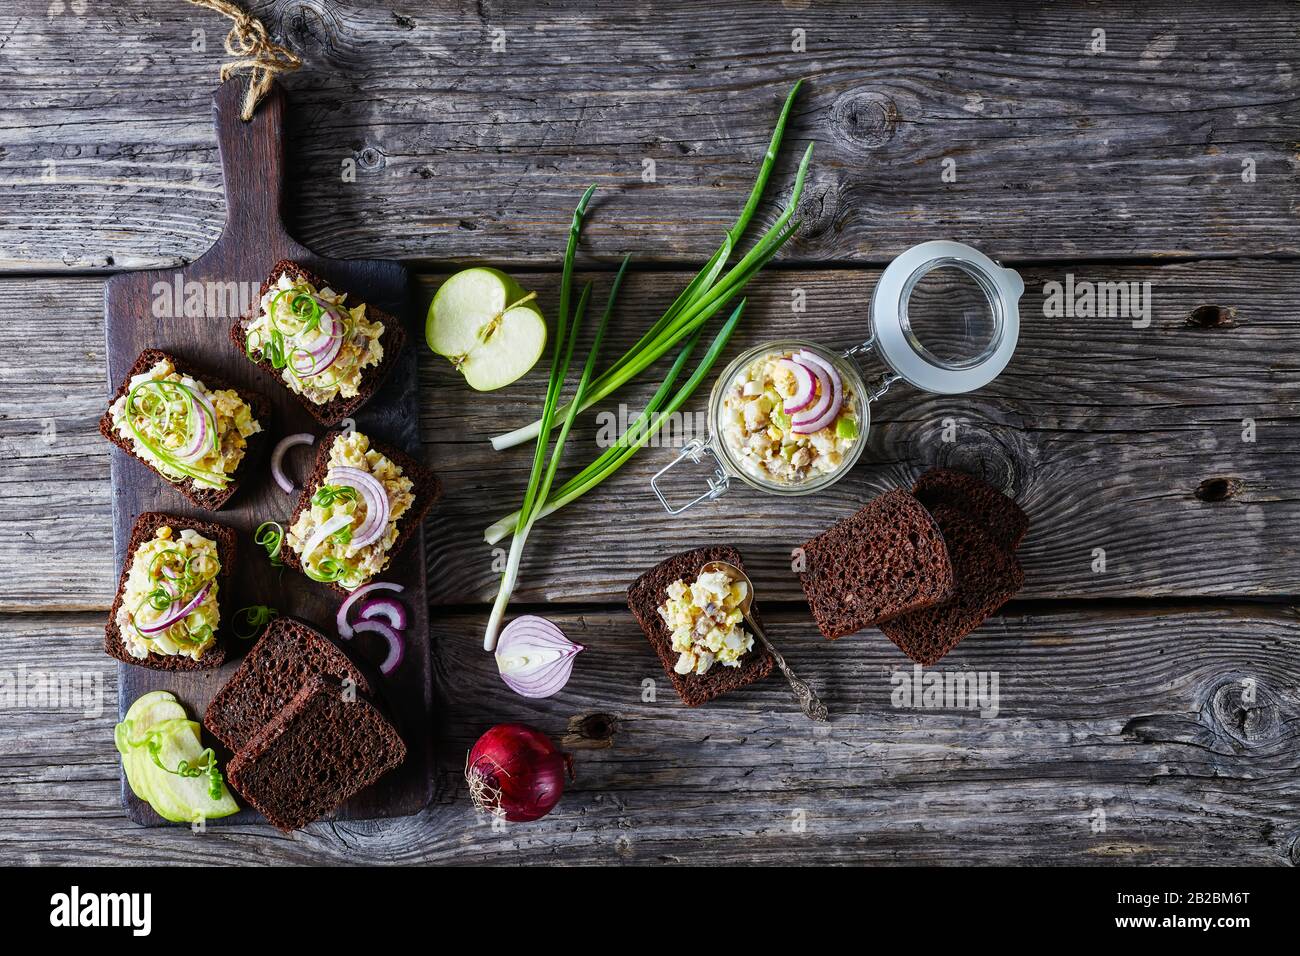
x: 287, y: 654
x: 886, y: 559
x: 987, y: 577
x: 427, y: 490
x: 210, y: 499
x: 650, y: 590
x: 393, y: 339
x: 978, y: 500
x: 318, y: 751
x: 146, y: 526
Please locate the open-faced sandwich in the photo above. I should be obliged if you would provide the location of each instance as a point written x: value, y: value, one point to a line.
x: 694, y: 623
x: 169, y: 605
x: 332, y: 354
x: 361, y: 505
x: 192, y: 429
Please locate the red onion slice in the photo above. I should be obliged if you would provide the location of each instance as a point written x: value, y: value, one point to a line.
x: 199, y: 443
x: 386, y: 609
x: 804, y: 425
x: 341, y: 618
x: 805, y: 386
x: 173, y: 614
x: 824, y: 395
x: 375, y: 497
x: 534, y: 657
x: 277, y: 458
x: 396, y: 646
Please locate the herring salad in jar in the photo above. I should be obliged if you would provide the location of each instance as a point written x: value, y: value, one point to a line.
x: 789, y: 417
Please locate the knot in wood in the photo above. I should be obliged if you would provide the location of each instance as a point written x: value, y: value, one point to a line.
x: 590, y: 732
x: 864, y: 119
x: 984, y: 453
x: 818, y: 208
x: 1212, y: 317
x: 1219, y: 489
x: 371, y: 157
x: 1246, y: 710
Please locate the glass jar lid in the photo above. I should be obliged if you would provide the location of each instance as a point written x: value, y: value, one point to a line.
x: 945, y: 317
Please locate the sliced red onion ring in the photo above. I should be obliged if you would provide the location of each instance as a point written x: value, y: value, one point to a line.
x: 805, y: 386
x: 173, y: 614
x: 312, y: 355
x: 375, y: 497
x: 197, y: 404
x: 806, y: 425
x: 534, y: 657
x: 396, y: 646
x: 277, y: 458
x: 341, y: 618
x: 824, y: 396
x: 386, y: 609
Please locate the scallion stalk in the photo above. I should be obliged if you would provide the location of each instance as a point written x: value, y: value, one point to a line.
x: 647, y: 425
x: 539, y: 482
x: 704, y: 295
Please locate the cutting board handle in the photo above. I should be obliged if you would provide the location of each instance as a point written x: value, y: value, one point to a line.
x: 252, y: 164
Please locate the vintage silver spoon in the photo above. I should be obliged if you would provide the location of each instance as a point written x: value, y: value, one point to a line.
x: 809, y: 702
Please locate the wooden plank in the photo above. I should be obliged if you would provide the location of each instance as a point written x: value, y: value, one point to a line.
x: 1106, y: 433
x: 253, y: 241
x: 460, y: 148
x: 1172, y: 765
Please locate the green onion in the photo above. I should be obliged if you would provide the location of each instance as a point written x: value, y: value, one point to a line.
x: 255, y: 618
x: 207, y: 765
x: 539, y: 481
x: 705, y: 295
x: 326, y: 495
x: 159, y: 403
x: 638, y: 435
x: 270, y: 536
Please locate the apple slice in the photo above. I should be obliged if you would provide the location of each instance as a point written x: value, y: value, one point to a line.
x: 490, y: 329
x: 176, y: 798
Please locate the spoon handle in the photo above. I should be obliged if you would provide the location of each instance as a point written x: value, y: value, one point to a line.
x: 809, y: 702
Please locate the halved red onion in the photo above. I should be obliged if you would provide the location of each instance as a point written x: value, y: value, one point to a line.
x: 375, y: 497
x: 805, y: 386
x: 534, y: 657
x: 314, y: 353
x: 806, y: 425
x: 174, y: 613
x: 277, y: 458
x: 341, y: 618
x: 396, y: 646
x: 384, y: 608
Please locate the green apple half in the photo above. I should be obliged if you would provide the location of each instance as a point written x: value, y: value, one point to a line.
x: 490, y: 329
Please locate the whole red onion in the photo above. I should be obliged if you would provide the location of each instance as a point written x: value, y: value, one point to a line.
x: 516, y: 772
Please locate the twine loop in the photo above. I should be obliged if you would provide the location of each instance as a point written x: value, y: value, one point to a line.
x: 253, y: 51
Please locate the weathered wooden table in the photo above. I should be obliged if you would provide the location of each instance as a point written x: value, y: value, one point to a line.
x: 1149, y: 711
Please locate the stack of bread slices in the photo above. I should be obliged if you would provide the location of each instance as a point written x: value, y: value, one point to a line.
x: 305, y: 736
x: 926, y: 567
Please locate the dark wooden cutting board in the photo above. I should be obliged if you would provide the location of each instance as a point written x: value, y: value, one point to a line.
x: 141, y: 311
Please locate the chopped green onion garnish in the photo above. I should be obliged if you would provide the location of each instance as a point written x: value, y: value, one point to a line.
x: 270, y: 536
x: 326, y: 495
x: 254, y: 618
